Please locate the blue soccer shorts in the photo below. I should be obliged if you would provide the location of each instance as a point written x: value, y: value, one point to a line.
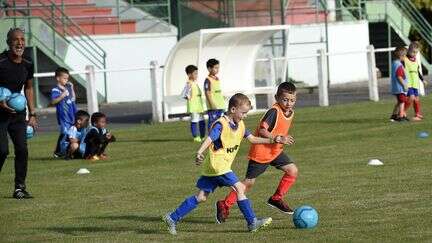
x: 413, y: 91
x: 210, y: 183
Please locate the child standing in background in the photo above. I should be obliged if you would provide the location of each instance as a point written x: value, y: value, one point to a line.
x: 195, y: 106
x: 63, y: 97
x: 213, y: 92
x: 399, y: 85
x: 414, y: 78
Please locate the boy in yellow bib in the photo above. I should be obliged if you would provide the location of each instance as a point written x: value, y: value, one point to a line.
x: 414, y: 78
x: 195, y: 106
x: 213, y: 92
x: 223, y: 142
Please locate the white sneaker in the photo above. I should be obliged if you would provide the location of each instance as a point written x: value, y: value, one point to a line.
x: 170, y: 223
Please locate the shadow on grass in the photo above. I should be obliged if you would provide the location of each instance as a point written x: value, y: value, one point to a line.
x: 72, y: 230
x: 144, y: 218
x: 80, y: 230
x: 50, y: 158
x: 213, y: 231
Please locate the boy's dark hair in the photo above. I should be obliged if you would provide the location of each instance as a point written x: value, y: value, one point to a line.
x: 81, y: 115
x: 237, y: 100
x: 212, y: 62
x: 286, y: 87
x: 95, y: 117
x: 60, y: 70
x: 400, y: 51
x: 190, y: 69
x: 414, y: 45
x: 10, y: 33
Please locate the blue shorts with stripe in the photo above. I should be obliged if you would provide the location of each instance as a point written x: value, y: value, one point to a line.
x: 413, y: 91
x: 210, y: 183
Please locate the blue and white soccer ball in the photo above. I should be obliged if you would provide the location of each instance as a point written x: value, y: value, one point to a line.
x: 423, y: 134
x: 29, y: 132
x: 17, y: 102
x: 4, y: 94
x: 305, y: 217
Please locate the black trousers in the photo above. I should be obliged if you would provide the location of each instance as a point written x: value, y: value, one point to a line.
x: 95, y: 148
x: 15, y: 125
x: 59, y: 139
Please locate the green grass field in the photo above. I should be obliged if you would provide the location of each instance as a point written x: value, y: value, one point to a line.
x: 151, y: 171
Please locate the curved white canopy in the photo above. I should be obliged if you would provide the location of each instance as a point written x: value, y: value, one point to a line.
x: 235, y: 48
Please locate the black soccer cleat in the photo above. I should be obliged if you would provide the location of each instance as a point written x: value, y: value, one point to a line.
x: 281, y: 205
x: 21, y: 194
x: 221, y: 212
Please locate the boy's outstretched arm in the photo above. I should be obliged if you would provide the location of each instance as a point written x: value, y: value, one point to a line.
x: 263, y: 132
x: 266, y: 140
x: 253, y: 139
x: 199, y: 156
x: 278, y: 139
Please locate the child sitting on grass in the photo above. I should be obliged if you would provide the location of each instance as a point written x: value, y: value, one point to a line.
x: 72, y: 145
x: 97, y: 138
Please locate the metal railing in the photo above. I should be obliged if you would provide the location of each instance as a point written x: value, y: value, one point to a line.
x: 61, y: 24
x: 420, y: 24
x: 158, y: 8
x: 354, y: 7
x: 409, y: 17
x: 155, y: 11
x: 91, y: 90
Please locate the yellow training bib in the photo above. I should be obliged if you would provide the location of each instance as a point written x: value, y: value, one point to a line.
x: 411, y: 68
x: 218, y: 162
x: 216, y: 93
x: 195, y: 104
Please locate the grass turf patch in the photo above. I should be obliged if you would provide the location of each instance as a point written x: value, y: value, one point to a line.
x: 151, y: 171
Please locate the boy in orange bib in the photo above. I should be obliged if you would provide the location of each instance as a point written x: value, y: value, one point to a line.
x: 274, y: 124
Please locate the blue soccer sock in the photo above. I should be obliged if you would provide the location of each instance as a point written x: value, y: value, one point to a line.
x: 247, y: 211
x: 202, y: 128
x: 194, y: 129
x: 185, y: 207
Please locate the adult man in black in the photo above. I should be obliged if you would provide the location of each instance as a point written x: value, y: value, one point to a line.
x: 16, y: 72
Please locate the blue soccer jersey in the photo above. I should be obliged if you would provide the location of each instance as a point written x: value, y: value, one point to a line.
x: 216, y: 131
x: 65, y: 109
x: 74, y: 133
